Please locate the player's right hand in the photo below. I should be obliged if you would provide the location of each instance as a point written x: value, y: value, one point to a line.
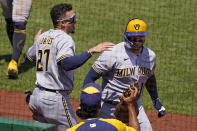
x: 139, y: 89
x: 130, y: 95
x: 104, y: 46
x: 159, y: 107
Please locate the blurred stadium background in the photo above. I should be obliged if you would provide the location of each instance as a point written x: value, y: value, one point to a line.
x: 172, y: 34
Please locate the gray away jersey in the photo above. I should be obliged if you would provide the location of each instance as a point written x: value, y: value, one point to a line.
x: 51, y: 47
x: 120, y: 68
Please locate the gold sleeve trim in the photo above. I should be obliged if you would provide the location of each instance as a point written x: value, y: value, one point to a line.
x: 29, y: 58
x: 60, y: 58
x: 97, y: 70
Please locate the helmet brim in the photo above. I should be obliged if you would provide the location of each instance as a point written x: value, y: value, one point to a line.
x: 136, y: 33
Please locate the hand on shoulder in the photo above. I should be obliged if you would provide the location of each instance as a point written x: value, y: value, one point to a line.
x: 104, y: 46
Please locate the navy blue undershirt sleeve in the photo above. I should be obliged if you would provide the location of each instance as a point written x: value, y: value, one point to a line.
x: 151, y: 87
x: 92, y: 76
x: 73, y: 62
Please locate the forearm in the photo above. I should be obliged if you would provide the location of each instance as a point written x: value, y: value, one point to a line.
x: 152, y: 90
x: 151, y: 87
x: 92, y: 76
x: 73, y: 62
x: 133, y: 121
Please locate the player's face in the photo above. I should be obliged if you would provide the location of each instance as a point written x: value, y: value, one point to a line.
x: 137, y: 41
x: 70, y: 21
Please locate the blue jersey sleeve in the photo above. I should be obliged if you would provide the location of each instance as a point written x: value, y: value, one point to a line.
x: 92, y: 76
x: 151, y: 87
x: 73, y: 62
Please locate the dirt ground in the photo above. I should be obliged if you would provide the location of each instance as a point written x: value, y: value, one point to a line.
x: 12, y: 105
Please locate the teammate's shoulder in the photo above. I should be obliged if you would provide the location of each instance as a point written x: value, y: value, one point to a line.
x: 114, y: 121
x: 118, y: 124
x: 118, y: 47
x: 113, y: 52
x: 74, y: 128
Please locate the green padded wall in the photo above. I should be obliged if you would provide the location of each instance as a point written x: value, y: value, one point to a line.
x: 7, y: 124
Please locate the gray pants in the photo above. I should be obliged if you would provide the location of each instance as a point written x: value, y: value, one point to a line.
x: 107, y: 111
x: 18, y: 10
x: 52, y: 107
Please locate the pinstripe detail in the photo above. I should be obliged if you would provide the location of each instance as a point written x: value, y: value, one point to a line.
x: 30, y: 59
x: 20, y: 31
x: 60, y: 58
x: 66, y: 110
x: 97, y: 70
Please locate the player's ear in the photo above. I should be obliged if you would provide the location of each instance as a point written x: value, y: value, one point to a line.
x: 61, y: 23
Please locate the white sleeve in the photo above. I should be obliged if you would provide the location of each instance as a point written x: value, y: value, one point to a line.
x: 105, y: 62
x: 65, y: 48
x: 31, y: 53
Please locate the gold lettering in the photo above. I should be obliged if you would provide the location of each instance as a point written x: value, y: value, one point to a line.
x: 119, y: 72
x: 143, y: 71
x: 125, y: 72
x: 132, y: 71
x: 46, y: 40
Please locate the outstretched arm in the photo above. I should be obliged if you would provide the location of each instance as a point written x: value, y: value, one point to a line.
x: 129, y: 98
x: 73, y: 62
x: 133, y: 121
x: 151, y: 87
x: 92, y: 76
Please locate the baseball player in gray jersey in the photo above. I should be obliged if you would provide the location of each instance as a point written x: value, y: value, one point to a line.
x: 129, y: 61
x: 54, y: 53
x: 16, y: 13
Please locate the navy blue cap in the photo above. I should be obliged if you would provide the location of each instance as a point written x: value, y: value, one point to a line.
x: 91, y: 95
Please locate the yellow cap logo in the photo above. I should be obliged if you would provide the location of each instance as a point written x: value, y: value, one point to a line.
x: 91, y: 90
x: 137, y: 26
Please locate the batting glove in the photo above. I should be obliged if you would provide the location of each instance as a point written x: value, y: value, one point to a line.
x: 159, y: 107
x: 29, y: 93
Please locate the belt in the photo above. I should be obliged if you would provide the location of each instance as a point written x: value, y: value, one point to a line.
x: 50, y: 90
x: 53, y: 90
x: 111, y: 102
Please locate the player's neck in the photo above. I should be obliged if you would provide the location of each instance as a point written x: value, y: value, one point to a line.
x: 62, y: 28
x: 136, y: 52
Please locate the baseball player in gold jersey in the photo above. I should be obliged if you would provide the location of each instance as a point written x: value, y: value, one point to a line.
x: 90, y: 104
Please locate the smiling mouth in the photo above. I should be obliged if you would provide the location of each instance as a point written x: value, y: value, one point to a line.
x: 137, y: 43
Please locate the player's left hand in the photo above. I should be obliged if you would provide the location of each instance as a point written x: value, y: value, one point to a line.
x: 104, y: 46
x: 159, y: 107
